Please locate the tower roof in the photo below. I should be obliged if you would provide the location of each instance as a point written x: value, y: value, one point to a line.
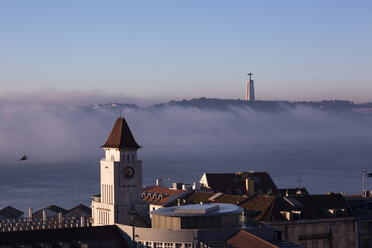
x: 121, y: 136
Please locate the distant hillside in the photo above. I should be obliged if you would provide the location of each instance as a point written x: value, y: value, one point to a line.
x: 228, y: 104
x: 225, y: 104
x: 220, y: 104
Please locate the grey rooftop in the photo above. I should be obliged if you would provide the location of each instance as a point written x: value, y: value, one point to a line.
x: 209, y: 209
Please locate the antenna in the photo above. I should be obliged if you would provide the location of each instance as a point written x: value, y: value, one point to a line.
x: 299, y: 183
x: 363, y: 183
x: 120, y: 113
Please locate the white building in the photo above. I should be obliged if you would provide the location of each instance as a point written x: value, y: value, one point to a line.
x: 120, y: 200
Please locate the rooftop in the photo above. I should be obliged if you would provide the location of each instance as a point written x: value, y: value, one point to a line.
x: 100, y: 236
x: 11, y: 212
x: 235, y: 183
x: 247, y: 240
x: 121, y: 136
x: 210, y: 209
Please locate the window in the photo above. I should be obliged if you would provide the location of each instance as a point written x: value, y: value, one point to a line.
x: 325, y: 243
x: 296, y: 215
x: 364, y: 227
x: 178, y: 245
x: 141, y: 244
x: 188, y: 245
x: 365, y: 242
x: 128, y: 158
x: 168, y: 245
x: 158, y: 245
x: 314, y: 244
x: 123, y: 157
x: 132, y: 157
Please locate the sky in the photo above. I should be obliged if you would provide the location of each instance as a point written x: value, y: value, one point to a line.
x: 297, y: 50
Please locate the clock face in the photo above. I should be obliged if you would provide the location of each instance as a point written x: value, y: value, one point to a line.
x: 128, y: 172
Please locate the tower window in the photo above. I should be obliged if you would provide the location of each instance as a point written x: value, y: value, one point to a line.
x: 128, y: 157
x: 132, y: 157
x: 123, y: 157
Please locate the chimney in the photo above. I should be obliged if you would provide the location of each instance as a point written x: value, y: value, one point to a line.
x: 44, y: 215
x: 196, y: 186
x: 249, y: 185
x: 159, y: 183
x: 60, y: 219
x: 30, y: 213
x: 177, y: 185
x: 186, y: 186
x: 82, y: 221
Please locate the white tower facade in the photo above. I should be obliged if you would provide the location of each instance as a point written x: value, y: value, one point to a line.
x: 249, y: 96
x: 121, y: 179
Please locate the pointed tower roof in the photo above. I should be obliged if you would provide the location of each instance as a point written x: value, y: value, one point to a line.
x: 121, y: 136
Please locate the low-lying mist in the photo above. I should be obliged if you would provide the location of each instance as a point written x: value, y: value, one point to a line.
x: 60, y: 132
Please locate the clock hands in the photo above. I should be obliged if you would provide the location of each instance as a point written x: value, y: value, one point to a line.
x: 128, y: 172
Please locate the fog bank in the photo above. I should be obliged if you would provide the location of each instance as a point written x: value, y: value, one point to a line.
x: 58, y: 132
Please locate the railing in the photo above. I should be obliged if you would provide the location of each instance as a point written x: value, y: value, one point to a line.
x: 24, y: 224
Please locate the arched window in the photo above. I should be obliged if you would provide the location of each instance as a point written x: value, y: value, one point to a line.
x: 128, y: 158
x: 132, y: 157
x: 123, y: 157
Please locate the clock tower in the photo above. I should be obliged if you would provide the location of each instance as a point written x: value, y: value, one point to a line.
x: 121, y: 179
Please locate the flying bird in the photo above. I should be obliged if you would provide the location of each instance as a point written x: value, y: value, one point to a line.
x: 24, y: 158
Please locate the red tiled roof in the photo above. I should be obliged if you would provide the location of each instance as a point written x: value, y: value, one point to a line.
x: 162, y: 195
x: 121, y: 136
x: 244, y: 239
x: 160, y: 190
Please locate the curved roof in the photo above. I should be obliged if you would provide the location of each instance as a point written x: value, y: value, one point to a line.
x: 210, y: 209
x: 121, y: 136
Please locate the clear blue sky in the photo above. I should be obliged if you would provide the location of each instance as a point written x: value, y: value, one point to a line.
x: 297, y: 50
